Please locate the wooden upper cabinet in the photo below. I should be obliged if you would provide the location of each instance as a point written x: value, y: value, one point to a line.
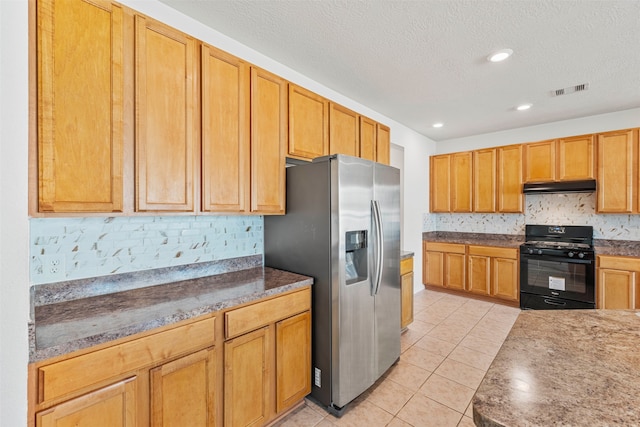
x: 440, y: 188
x: 461, y: 182
x: 617, y: 171
x: 510, y: 197
x: 165, y: 62
x: 575, y: 158
x: 383, y: 146
x: 308, y: 124
x: 268, y: 142
x: 368, y: 140
x: 540, y: 161
x: 225, y: 132
x: 484, y: 180
x: 80, y: 92
x: 344, y: 130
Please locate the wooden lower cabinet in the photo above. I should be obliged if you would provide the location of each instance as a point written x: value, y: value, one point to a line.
x: 246, y: 379
x: 183, y: 391
x: 406, y: 292
x: 112, y: 406
x: 483, y: 270
x: 267, y: 371
x: 617, y: 282
x: 246, y: 371
x: 444, y: 265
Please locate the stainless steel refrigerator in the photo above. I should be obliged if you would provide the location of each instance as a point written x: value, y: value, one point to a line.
x: 342, y: 227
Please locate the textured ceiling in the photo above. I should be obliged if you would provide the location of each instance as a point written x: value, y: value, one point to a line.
x: 421, y: 62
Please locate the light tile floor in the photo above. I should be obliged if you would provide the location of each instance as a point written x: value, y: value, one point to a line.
x: 445, y: 353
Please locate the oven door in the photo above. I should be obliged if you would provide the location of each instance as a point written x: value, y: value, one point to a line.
x: 558, y: 277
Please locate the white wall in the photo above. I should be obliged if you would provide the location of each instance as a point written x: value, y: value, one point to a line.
x: 599, y: 123
x: 14, y: 227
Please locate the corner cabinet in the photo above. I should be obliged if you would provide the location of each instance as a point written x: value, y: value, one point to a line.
x: 166, y: 131
x: 80, y: 101
x: 268, y: 142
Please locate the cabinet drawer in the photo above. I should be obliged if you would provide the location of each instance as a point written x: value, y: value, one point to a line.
x: 73, y: 374
x: 494, y: 251
x: 455, y: 248
x: 406, y: 266
x: 246, y: 319
x: 619, y: 263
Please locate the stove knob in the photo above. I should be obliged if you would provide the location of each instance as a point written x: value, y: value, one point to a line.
x: 530, y: 251
x: 571, y: 254
x: 581, y: 255
x: 539, y: 251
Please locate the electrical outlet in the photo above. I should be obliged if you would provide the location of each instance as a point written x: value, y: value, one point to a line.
x: 316, y: 375
x: 53, y: 267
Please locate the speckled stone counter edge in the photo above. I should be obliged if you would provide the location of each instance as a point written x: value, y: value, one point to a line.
x: 629, y: 248
x: 51, y: 293
x: 406, y: 254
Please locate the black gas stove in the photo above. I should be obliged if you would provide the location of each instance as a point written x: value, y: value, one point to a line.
x: 557, y: 267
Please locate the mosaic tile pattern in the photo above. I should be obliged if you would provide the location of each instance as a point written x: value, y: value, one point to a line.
x: 565, y: 209
x: 99, y: 246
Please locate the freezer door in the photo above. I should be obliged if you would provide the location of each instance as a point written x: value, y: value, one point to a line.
x: 353, y: 352
x: 387, y: 300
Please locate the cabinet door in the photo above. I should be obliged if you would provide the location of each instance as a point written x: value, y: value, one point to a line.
x: 510, y: 198
x: 293, y: 360
x: 575, y: 158
x: 505, y: 279
x: 484, y: 180
x: 383, y: 145
x: 540, y: 161
x: 617, y: 289
x: 344, y: 131
x: 461, y: 186
x: 406, y: 300
x: 433, y: 270
x: 225, y: 132
x: 165, y: 127
x: 112, y: 406
x: 247, y: 384
x: 479, y: 279
x: 182, y: 391
x: 440, y: 183
x: 367, y: 138
x: 268, y: 142
x: 617, y: 153
x: 455, y: 276
x: 80, y: 106
x: 308, y: 124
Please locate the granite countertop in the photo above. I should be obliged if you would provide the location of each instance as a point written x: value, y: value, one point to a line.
x: 564, y: 367
x: 617, y: 247
x: 406, y: 254
x: 484, y: 239
x: 63, y: 327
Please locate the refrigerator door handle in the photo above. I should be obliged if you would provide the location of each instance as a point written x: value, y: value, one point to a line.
x: 379, y: 246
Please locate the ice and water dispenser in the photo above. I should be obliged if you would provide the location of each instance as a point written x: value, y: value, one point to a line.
x: 356, y: 259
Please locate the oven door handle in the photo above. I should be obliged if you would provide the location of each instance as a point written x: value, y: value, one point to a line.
x: 555, y: 258
x: 551, y: 302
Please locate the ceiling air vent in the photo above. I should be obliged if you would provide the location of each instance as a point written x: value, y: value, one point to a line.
x: 570, y: 89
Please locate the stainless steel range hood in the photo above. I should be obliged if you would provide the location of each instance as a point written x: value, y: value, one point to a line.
x: 585, y: 186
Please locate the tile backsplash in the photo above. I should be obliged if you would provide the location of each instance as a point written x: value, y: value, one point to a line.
x: 564, y: 209
x: 98, y: 246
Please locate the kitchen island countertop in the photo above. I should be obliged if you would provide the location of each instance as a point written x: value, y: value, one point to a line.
x: 564, y: 367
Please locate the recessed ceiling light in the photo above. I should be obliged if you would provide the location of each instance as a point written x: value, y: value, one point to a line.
x: 523, y: 107
x: 438, y: 125
x: 500, y: 55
